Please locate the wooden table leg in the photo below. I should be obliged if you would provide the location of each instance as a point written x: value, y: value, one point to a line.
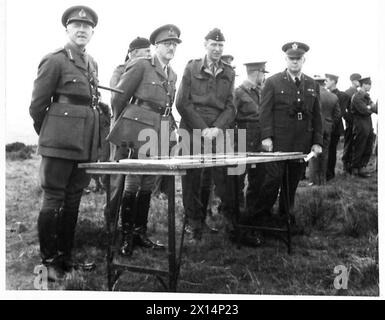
x: 171, y: 236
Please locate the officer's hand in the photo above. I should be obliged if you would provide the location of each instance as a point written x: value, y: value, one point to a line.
x: 206, y: 133
x: 317, y: 149
x: 214, y: 132
x: 267, y: 145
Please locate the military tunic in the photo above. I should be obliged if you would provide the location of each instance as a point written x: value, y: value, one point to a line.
x: 291, y: 117
x: 205, y: 100
x: 66, y: 118
x: 363, y: 135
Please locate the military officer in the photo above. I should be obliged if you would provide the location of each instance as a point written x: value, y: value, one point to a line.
x: 362, y: 108
x: 150, y: 83
x: 290, y: 119
x: 247, y: 101
x: 338, y: 127
x: 330, y: 110
x: 348, y: 137
x: 205, y: 102
x: 139, y: 48
x: 66, y: 118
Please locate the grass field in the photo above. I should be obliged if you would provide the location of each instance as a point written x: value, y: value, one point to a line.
x: 340, y: 221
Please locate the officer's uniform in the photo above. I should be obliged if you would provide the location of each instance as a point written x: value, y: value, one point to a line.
x: 363, y: 135
x: 330, y: 114
x: 338, y: 128
x: 147, y: 84
x: 291, y: 116
x: 205, y: 100
x: 247, y: 101
x: 348, y: 137
x: 66, y: 117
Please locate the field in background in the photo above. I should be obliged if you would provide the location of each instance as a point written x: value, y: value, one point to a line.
x: 340, y: 221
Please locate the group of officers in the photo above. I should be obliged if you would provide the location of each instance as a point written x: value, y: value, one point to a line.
x: 282, y: 113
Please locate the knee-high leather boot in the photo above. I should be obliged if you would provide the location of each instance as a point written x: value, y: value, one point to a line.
x: 140, y: 234
x: 129, y: 205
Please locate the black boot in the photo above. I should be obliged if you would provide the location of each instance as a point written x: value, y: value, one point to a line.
x: 47, y: 225
x: 140, y: 234
x: 128, y: 214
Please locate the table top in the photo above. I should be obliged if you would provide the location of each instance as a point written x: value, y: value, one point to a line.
x: 179, y: 164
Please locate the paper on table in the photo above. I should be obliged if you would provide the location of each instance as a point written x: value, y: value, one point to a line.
x: 309, y: 156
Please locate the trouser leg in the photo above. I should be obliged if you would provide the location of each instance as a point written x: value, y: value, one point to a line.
x: 332, y: 155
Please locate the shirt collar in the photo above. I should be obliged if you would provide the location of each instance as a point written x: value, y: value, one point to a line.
x: 299, y: 76
x: 75, y: 49
x: 161, y: 63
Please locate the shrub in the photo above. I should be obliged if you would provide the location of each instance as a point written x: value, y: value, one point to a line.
x: 18, y: 151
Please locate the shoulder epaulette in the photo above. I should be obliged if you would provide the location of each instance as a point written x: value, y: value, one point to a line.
x: 58, y: 50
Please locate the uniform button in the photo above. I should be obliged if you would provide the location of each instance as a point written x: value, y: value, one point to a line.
x: 298, y: 92
x: 282, y: 91
x: 136, y: 119
x: 74, y: 80
x: 299, y: 100
x: 167, y: 104
x: 153, y: 82
x: 94, y: 108
x: 66, y: 113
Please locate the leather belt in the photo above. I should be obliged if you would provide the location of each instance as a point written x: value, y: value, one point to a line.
x: 164, y: 111
x: 72, y: 100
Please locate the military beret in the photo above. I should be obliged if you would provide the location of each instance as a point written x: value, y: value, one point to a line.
x: 256, y: 66
x: 164, y: 33
x: 331, y: 77
x: 228, y: 58
x: 355, y: 76
x: 215, y: 35
x: 318, y: 78
x: 79, y: 13
x: 295, y: 49
x: 139, y: 43
x: 365, y: 80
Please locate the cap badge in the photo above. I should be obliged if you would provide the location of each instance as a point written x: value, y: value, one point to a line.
x: 82, y: 13
x: 171, y: 32
x: 294, y: 46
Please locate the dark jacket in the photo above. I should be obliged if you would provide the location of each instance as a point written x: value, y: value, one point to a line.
x: 203, y: 100
x: 360, y: 102
x: 247, y: 102
x: 330, y: 109
x: 344, y: 101
x: 68, y: 130
x: 282, y: 108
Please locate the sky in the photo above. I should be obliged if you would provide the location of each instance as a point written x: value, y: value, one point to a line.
x: 254, y: 31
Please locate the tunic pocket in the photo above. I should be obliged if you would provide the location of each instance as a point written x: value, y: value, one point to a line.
x: 64, y: 127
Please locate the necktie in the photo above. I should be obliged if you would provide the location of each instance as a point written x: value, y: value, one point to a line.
x: 297, y: 82
x: 165, y: 70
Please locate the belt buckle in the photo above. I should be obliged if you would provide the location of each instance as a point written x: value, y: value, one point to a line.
x: 299, y: 116
x: 167, y: 112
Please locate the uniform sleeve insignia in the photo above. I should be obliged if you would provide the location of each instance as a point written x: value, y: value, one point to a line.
x: 82, y: 13
x: 294, y: 46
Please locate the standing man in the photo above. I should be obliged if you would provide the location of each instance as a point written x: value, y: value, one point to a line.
x: 247, y: 101
x: 64, y: 109
x: 290, y: 121
x: 205, y: 102
x: 139, y: 48
x: 338, y: 126
x: 348, y: 144
x: 362, y: 108
x: 149, y: 83
x: 330, y: 111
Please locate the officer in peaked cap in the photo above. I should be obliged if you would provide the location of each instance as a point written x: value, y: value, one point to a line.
x: 247, y: 101
x: 167, y: 32
x: 65, y: 91
x: 291, y: 121
x: 80, y: 13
